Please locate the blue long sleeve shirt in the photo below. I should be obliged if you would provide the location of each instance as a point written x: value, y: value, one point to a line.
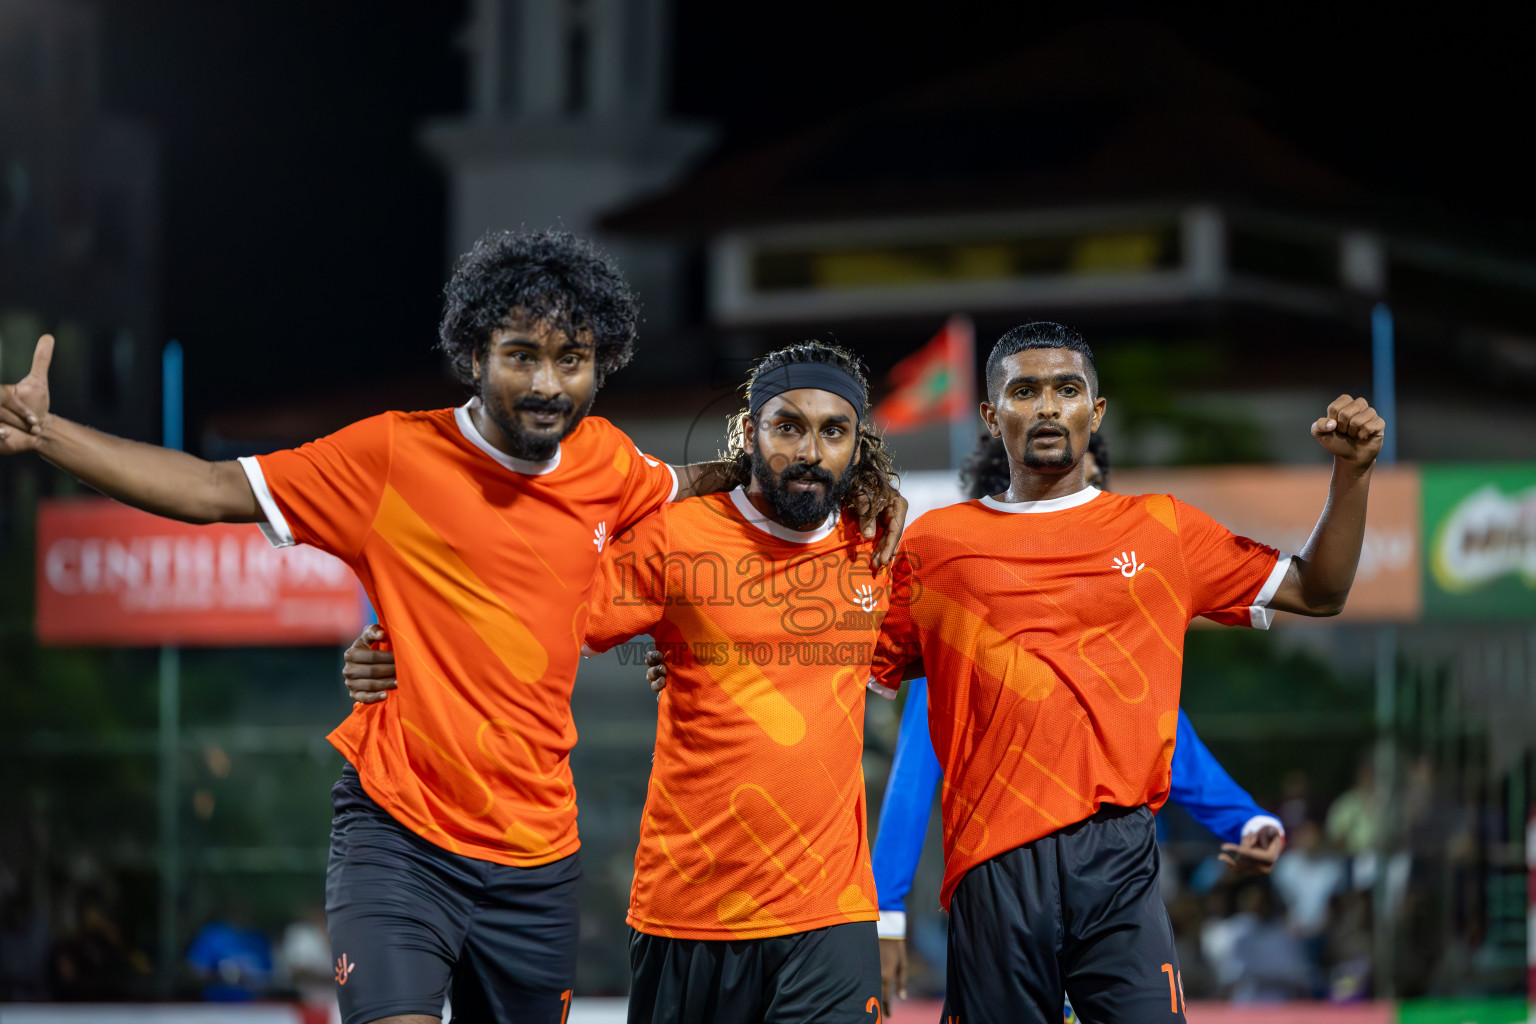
x: 1199, y: 783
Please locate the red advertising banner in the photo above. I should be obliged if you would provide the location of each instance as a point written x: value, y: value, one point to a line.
x: 111, y: 575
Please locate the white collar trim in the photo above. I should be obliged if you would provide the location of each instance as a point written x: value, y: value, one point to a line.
x: 1081, y: 497
x: 750, y: 513
x: 473, y: 436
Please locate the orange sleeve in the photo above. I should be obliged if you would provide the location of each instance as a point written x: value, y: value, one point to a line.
x: 649, y: 483
x: 631, y: 592
x: 1232, y: 579
x: 325, y: 493
x: 898, y: 644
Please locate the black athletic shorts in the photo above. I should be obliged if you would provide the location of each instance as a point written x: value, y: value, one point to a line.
x: 827, y: 976
x: 1077, y: 912
x: 411, y: 922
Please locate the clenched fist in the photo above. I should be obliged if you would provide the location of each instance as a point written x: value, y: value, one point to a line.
x: 1351, y: 432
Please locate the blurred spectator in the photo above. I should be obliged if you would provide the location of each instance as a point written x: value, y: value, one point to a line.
x: 1307, y: 878
x: 1253, y: 956
x: 1267, y: 959
x: 1354, y: 825
x: 1441, y: 845
x: 23, y: 950
x: 92, y: 964
x: 1350, y: 946
x: 304, y: 957
x: 232, y: 960
x: 1295, y: 800
x: 1224, y: 926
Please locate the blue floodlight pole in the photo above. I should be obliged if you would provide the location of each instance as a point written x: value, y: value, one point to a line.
x: 170, y: 708
x: 1384, y: 398
x: 1384, y: 378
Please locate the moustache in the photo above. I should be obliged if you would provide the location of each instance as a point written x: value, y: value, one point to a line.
x: 1041, y: 428
x: 802, y: 471
x: 530, y: 403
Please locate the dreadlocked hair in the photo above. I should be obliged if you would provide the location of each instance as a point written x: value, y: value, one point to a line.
x: 872, y: 483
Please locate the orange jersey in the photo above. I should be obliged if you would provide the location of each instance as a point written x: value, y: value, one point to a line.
x: 1052, y: 633
x: 754, y: 822
x: 481, y: 566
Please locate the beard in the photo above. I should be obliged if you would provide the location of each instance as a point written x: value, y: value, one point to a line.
x: 1061, y: 459
x: 533, y: 446
x: 800, y: 510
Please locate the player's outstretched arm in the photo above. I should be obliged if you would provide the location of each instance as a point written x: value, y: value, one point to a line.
x: 159, y: 480
x: 1319, y: 578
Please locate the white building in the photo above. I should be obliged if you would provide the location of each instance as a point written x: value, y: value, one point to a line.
x: 567, y: 118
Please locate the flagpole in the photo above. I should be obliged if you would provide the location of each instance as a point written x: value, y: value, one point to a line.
x: 962, y: 354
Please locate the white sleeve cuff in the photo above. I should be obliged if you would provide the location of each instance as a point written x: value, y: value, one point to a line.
x: 676, y: 483
x: 276, y: 527
x: 1262, y: 821
x: 881, y: 691
x: 1259, y: 613
x: 892, y: 924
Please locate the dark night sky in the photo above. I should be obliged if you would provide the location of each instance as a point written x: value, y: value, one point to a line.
x: 304, y: 227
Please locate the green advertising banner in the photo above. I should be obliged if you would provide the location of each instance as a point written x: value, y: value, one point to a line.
x: 1495, y: 1010
x: 1479, y: 541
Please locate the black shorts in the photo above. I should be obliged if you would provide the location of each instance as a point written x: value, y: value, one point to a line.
x: 410, y: 922
x: 827, y: 975
x: 1078, y: 913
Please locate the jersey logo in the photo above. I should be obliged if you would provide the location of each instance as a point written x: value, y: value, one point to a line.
x: 600, y: 535
x: 343, y: 969
x: 865, y: 598
x: 1128, y: 566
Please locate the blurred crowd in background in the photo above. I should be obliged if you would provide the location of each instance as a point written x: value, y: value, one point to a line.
x: 72, y: 928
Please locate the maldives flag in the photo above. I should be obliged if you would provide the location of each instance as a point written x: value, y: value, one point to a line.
x: 933, y: 384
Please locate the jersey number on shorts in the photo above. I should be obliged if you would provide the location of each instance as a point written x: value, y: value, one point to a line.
x: 1175, y: 987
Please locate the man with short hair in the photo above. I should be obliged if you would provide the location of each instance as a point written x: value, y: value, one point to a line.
x: 1252, y: 838
x: 1050, y: 620
x: 476, y: 533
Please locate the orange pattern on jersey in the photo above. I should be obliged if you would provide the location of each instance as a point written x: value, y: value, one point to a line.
x: 471, y: 751
x: 1053, y: 642
x: 754, y: 823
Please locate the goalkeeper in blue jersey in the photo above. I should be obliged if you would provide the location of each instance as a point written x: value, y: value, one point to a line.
x: 1252, y: 839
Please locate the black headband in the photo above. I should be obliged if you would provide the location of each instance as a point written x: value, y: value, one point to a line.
x: 821, y: 376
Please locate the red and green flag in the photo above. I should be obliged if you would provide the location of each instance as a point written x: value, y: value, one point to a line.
x: 935, y: 384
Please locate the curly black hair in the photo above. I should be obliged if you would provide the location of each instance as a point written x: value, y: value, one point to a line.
x: 551, y: 277
x: 872, y: 485
x: 985, y: 470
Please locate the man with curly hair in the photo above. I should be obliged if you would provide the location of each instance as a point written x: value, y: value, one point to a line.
x: 477, y: 533
x: 752, y: 898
